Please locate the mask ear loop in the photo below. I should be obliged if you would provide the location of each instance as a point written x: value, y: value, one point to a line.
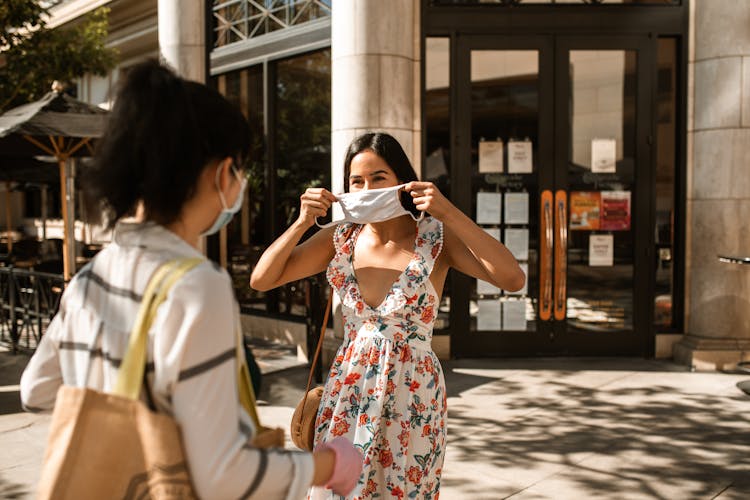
x: 421, y: 212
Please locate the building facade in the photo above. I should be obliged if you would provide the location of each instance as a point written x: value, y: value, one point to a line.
x: 602, y: 141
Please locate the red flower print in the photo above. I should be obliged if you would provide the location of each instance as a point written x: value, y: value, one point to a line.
x: 429, y: 366
x: 340, y: 428
x: 412, y: 299
x: 414, y: 474
x: 370, y: 489
x: 426, y: 430
x: 374, y: 357
x: 428, y: 314
x: 403, y: 438
x: 363, y: 419
x: 435, y: 250
x: 385, y: 458
x: 336, y: 388
x: 326, y: 415
x: 337, y: 280
x: 348, y: 353
x: 396, y: 492
x: 390, y: 387
x: 413, y: 386
x: 352, y: 378
x: 405, y: 354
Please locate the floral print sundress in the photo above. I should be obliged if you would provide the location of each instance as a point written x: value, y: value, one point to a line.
x: 385, y: 391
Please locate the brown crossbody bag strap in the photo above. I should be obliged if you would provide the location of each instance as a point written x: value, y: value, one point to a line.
x: 318, y: 349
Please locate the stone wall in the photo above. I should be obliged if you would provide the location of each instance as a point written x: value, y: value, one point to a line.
x: 718, y: 197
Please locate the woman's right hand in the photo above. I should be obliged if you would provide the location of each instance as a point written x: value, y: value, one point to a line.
x: 314, y: 202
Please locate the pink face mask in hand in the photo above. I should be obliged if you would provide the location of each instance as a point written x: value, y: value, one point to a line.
x: 371, y: 205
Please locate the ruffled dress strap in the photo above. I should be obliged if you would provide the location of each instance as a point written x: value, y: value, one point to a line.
x: 429, y: 242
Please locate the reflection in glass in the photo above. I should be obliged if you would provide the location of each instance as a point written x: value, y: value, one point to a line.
x: 247, y: 233
x: 303, y: 139
x: 603, y: 85
x: 302, y: 159
x: 436, y: 165
x: 666, y: 134
x: 238, y: 20
x: 505, y: 108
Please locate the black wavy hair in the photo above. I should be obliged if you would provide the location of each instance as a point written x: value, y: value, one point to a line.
x: 388, y: 148
x: 162, y: 132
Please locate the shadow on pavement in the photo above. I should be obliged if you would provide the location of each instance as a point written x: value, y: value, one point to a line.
x: 645, y: 441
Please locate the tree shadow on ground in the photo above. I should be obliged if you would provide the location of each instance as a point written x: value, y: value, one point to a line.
x: 654, y: 441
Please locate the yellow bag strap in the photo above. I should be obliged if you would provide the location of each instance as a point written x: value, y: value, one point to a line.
x: 130, y: 375
x: 245, y: 386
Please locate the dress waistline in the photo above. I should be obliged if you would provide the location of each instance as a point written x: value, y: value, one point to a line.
x: 366, y: 332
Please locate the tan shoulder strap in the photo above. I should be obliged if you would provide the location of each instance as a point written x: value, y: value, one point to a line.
x: 318, y: 348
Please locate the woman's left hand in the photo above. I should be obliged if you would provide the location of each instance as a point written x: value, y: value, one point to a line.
x: 428, y: 198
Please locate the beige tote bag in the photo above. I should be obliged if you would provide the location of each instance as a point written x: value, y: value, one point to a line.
x: 111, y: 445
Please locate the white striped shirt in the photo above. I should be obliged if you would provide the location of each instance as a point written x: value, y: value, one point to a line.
x: 192, y: 364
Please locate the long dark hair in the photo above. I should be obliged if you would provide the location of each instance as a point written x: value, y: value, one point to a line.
x: 163, y: 131
x: 388, y: 148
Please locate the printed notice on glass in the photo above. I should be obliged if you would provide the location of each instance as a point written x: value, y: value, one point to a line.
x: 603, y: 155
x: 489, y: 208
x: 488, y: 316
x: 517, y: 241
x: 514, y: 315
x: 523, y: 291
x: 435, y: 164
x: 584, y: 210
x: 485, y: 288
x: 615, y: 211
x: 493, y: 231
x: 519, y: 157
x: 490, y: 157
x: 601, y: 250
x: 516, y: 208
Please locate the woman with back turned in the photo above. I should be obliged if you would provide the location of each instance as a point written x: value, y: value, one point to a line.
x: 174, y: 151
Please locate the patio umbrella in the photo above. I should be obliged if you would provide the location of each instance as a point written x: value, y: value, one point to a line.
x: 57, y: 125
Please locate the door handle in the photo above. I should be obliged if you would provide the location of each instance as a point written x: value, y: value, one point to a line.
x: 546, y: 256
x: 561, y: 253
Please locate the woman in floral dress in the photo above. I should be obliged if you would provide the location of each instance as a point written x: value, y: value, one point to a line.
x: 385, y: 390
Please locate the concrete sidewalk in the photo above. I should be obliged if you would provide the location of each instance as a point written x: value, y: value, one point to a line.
x: 526, y: 429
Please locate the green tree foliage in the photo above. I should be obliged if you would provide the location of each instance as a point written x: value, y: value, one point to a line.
x: 32, y: 56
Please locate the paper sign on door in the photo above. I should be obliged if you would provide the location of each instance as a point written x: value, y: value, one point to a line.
x: 519, y: 157
x: 603, y: 155
x: 601, y: 250
x: 488, y: 315
x: 490, y: 156
x: 516, y: 208
x: 489, y: 208
x: 514, y: 315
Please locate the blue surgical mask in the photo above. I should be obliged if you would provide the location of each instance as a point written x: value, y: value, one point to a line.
x: 226, y: 213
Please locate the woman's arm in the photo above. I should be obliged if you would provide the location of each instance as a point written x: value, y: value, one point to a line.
x: 284, y: 260
x: 468, y: 247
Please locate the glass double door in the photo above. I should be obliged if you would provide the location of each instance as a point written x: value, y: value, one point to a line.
x: 553, y: 158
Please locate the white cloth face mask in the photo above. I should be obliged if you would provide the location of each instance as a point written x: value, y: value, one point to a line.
x: 371, y: 205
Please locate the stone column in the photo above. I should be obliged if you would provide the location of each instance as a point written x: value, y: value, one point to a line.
x: 375, y: 84
x: 718, y: 197
x: 182, y: 37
